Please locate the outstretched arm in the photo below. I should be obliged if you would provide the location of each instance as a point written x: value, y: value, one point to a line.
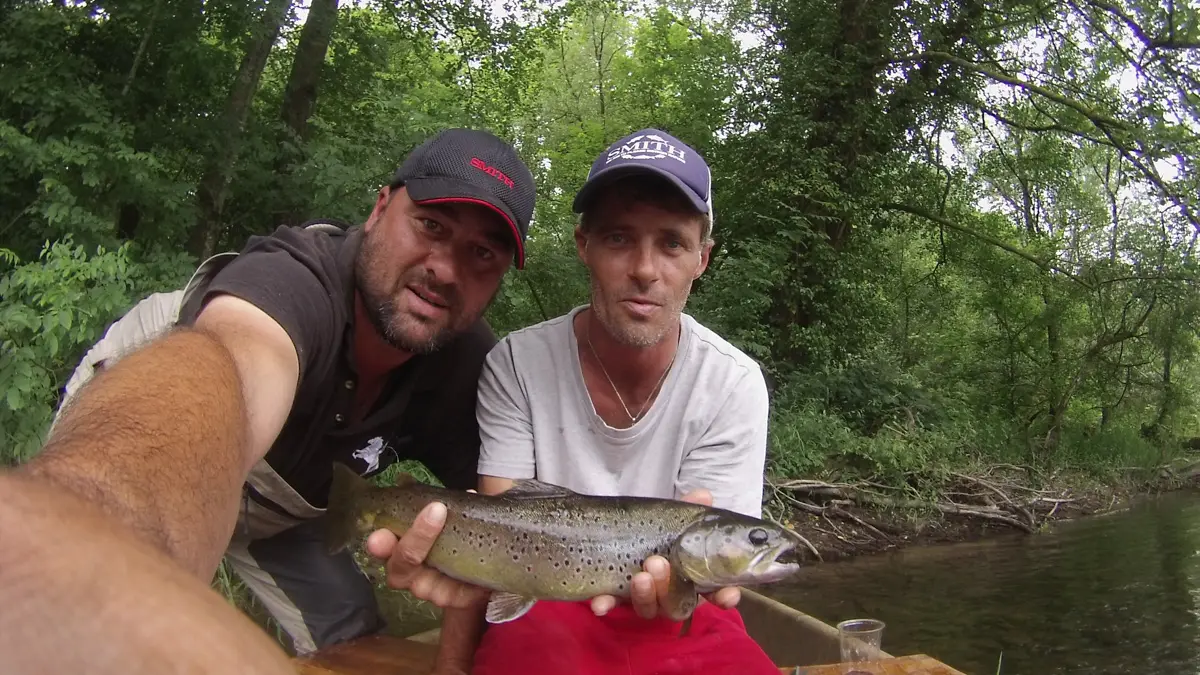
x: 163, y: 440
x: 79, y: 593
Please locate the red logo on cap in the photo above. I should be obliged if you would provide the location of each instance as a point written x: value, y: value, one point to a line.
x: 491, y: 171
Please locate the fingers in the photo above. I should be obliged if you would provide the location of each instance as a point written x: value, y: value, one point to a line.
x: 603, y: 604
x: 699, y: 496
x: 405, y: 555
x: 406, y: 568
x: 433, y: 586
x: 725, y: 598
x: 642, y: 595
x: 660, y: 569
x: 648, y: 589
x: 380, y: 543
x: 415, y: 544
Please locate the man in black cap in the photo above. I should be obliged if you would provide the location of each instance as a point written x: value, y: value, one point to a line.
x: 212, y: 432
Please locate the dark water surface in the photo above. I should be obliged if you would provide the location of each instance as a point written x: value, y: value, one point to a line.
x: 1113, y: 594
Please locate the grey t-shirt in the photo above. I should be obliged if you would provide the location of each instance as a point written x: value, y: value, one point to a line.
x: 707, y: 427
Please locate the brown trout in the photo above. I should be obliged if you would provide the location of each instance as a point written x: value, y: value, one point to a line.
x: 543, y: 542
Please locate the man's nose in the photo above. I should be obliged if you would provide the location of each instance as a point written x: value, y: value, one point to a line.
x: 645, y: 268
x: 441, y: 265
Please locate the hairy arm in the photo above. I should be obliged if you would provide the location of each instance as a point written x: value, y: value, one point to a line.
x: 163, y: 440
x: 81, y: 594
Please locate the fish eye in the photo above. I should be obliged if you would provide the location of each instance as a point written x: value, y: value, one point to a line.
x: 758, y: 536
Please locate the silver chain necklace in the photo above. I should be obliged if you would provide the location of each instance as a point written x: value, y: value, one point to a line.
x: 621, y: 400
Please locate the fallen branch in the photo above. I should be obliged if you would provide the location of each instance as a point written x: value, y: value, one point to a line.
x: 850, y: 516
x: 984, y: 484
x: 1048, y: 500
x: 951, y: 508
x: 837, y: 496
x: 834, y: 510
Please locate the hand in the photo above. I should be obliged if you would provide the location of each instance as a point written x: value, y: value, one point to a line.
x: 648, y: 589
x: 406, y: 557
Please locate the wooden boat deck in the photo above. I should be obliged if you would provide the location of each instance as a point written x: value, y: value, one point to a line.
x: 372, y: 655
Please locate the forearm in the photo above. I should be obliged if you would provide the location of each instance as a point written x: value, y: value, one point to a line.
x: 78, y: 593
x: 158, y: 443
x: 462, y: 629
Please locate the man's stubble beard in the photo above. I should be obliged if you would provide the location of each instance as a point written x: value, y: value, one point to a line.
x: 396, y: 327
x: 632, y: 334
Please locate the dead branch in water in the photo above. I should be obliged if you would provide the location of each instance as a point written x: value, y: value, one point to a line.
x: 989, y: 499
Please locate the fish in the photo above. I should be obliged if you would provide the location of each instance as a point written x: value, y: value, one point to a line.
x: 538, y: 541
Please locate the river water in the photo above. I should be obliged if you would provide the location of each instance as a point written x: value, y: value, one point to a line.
x: 1118, y: 593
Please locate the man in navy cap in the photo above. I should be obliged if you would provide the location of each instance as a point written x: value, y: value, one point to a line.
x: 207, y: 420
x: 628, y: 395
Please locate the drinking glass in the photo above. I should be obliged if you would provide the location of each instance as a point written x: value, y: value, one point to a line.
x: 860, y: 641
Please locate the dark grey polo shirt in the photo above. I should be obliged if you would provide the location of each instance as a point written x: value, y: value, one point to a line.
x: 304, y: 279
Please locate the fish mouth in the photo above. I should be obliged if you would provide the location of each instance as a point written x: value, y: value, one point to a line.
x: 790, y: 557
x: 784, y: 560
x: 769, y: 566
x: 762, y: 572
x: 776, y: 571
x: 784, y: 563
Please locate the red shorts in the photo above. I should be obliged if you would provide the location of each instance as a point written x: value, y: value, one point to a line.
x: 566, y: 638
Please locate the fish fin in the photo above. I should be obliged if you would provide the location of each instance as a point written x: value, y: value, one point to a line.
x: 341, y: 513
x: 531, y: 488
x: 686, y: 627
x: 681, y: 597
x: 504, y: 607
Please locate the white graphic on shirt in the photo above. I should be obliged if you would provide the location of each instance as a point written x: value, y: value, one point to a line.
x: 370, y: 454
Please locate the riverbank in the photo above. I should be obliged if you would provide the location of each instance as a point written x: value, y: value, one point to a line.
x: 855, y: 518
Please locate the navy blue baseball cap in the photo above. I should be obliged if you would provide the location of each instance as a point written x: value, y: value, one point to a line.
x: 656, y: 152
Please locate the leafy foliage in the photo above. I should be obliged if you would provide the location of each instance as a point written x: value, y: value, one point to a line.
x: 51, y: 310
x: 950, y: 232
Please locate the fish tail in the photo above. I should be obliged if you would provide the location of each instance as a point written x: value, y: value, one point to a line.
x: 341, y: 514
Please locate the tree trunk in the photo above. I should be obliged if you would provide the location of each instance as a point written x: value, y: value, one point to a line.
x: 211, y: 192
x: 1153, y: 431
x: 128, y: 219
x: 1058, y: 395
x: 300, y: 96
x: 299, y: 102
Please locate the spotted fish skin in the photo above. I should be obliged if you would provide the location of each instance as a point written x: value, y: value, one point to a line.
x: 556, y: 546
x: 542, y: 542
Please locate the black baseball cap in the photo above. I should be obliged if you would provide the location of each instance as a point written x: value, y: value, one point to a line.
x: 468, y: 165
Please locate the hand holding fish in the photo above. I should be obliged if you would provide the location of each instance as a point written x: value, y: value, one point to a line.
x: 406, y: 567
x: 537, y: 541
x: 648, y: 591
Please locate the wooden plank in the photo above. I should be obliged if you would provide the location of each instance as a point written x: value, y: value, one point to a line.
x: 371, y: 655
x: 913, y: 664
x: 789, y: 637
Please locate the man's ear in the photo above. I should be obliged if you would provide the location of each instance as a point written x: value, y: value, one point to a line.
x: 705, y: 251
x: 581, y: 243
x: 381, y: 204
